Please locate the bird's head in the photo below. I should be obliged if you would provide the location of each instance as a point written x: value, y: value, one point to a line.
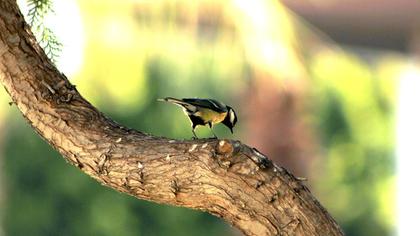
x: 230, y: 119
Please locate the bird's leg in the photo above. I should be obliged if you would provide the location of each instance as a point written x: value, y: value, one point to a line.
x: 195, y: 136
x: 211, y: 128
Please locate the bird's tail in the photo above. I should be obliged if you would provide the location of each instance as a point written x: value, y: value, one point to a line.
x: 173, y: 100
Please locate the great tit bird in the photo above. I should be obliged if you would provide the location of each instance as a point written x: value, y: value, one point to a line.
x: 205, y: 112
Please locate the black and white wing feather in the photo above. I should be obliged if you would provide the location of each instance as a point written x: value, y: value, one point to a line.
x: 206, y: 103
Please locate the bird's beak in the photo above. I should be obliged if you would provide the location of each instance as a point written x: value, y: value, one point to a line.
x: 231, y: 130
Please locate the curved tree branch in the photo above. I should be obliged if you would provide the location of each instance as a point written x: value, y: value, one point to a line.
x: 223, y: 177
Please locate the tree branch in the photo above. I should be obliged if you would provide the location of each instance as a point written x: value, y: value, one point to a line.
x: 223, y: 177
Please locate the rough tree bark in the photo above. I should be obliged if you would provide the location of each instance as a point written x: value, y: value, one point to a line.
x: 223, y: 177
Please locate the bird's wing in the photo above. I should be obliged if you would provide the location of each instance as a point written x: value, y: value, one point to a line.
x: 206, y: 103
x: 190, y: 108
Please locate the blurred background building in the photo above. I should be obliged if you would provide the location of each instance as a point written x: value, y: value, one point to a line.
x: 315, y: 84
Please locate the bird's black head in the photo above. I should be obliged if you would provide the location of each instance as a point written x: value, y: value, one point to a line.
x: 230, y: 119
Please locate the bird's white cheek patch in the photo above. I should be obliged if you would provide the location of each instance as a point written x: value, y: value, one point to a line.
x: 232, y: 116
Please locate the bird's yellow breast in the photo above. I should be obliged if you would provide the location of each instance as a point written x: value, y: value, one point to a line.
x: 210, y: 116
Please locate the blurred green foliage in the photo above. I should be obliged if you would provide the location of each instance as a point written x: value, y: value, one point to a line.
x: 355, y: 117
x: 136, y: 53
